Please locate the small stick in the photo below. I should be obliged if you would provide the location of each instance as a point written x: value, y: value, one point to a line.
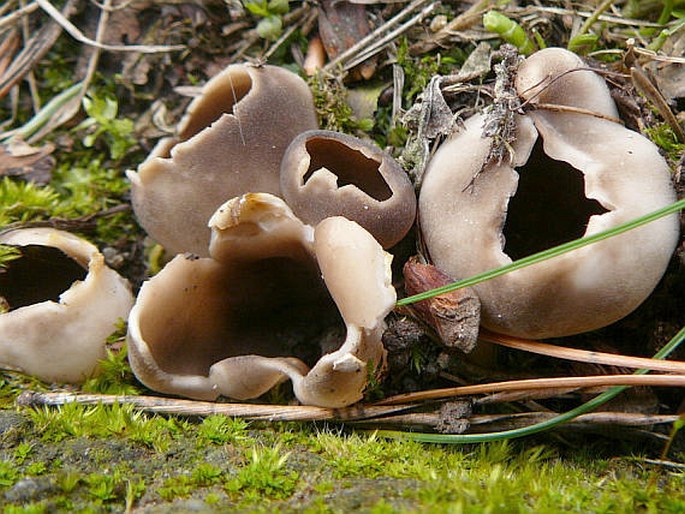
x: 539, y: 383
x: 10, y: 19
x: 465, y: 20
x: 454, y: 316
x: 594, y: 17
x: 656, y: 57
x: 74, y: 32
x: 374, y: 35
x: 653, y: 95
x: 575, y: 110
x: 162, y: 405
x: 30, y: 77
x: 381, y: 43
x: 490, y: 422
x: 574, y: 354
x: 71, y: 107
x: 33, y: 51
x: 586, y: 14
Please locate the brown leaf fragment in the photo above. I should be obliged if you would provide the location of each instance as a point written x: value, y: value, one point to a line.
x: 454, y: 316
x: 18, y: 159
x: 477, y: 65
x: 341, y: 25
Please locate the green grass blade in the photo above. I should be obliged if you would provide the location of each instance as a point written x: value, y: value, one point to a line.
x: 538, y: 427
x: 44, y: 115
x: 546, y: 254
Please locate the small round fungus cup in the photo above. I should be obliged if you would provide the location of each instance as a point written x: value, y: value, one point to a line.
x: 327, y: 173
x: 62, y: 302
x: 276, y: 300
x: 573, y: 172
x: 230, y: 142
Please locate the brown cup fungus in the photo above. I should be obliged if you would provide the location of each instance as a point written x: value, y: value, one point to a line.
x: 230, y: 142
x: 276, y: 300
x: 326, y: 173
x: 61, y: 302
x: 574, y: 171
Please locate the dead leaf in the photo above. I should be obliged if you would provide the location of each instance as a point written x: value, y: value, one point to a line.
x: 455, y: 316
x: 341, y: 25
x: 18, y: 159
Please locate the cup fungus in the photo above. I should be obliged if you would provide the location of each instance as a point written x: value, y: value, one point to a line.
x: 62, y: 301
x: 326, y: 173
x: 477, y: 215
x: 230, y: 142
x: 257, y: 311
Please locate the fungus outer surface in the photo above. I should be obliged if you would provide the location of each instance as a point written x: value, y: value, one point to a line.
x: 230, y: 142
x: 58, y: 336
x: 326, y: 174
x: 463, y: 218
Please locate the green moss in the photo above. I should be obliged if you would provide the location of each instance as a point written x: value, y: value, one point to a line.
x: 264, y: 476
x: 277, y: 465
x: 419, y: 70
x: 219, y: 429
x: 23, y: 202
x: 115, y: 375
x: 183, y: 485
x: 114, y: 458
x: 74, y: 420
x: 103, y: 124
x: 664, y: 137
x: 78, y: 189
x: 333, y: 110
x: 9, y: 473
x: 32, y: 508
x: 67, y: 481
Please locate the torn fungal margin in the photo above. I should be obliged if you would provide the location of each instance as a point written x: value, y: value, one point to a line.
x: 350, y: 166
x: 325, y: 173
x: 549, y: 208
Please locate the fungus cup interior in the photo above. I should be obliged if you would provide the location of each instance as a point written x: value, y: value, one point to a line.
x: 350, y: 166
x: 549, y: 207
x: 41, y: 273
x: 216, y: 101
x: 278, y: 307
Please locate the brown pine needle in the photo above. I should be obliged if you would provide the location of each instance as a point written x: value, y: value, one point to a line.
x: 161, y: 405
x: 74, y: 32
x: 573, y: 354
x: 490, y: 422
x: 538, y: 383
x: 464, y: 21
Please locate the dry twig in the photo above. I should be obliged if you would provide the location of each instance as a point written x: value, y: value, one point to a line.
x: 74, y: 32
x: 199, y: 408
x: 573, y: 354
x: 538, y: 383
x: 380, y: 37
x: 464, y: 21
x: 34, y: 50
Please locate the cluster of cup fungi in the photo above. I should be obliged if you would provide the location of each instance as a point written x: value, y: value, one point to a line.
x: 283, y: 237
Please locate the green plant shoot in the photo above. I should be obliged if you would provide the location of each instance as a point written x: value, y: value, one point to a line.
x: 270, y: 26
x: 509, y: 31
x: 103, y: 123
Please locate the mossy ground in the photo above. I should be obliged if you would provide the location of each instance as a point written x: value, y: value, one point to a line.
x: 111, y: 459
